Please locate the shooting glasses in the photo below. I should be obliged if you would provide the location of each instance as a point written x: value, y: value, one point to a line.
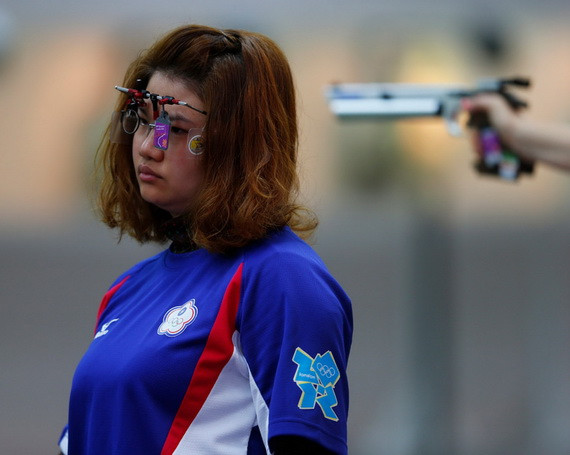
x: 132, y: 123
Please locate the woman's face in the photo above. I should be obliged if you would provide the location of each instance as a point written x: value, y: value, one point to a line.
x: 169, y: 179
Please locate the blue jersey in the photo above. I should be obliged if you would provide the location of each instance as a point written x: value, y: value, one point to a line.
x: 197, y: 353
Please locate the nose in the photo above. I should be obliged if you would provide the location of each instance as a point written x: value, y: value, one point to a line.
x: 146, y: 147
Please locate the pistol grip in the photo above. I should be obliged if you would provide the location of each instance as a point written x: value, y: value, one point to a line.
x: 494, y: 158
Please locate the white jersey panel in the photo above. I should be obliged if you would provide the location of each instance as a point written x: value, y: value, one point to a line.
x: 223, y: 425
x: 261, y: 411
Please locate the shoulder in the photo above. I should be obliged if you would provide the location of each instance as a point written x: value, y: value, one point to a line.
x: 282, y: 249
x: 283, y: 259
x: 285, y: 268
x: 140, y: 267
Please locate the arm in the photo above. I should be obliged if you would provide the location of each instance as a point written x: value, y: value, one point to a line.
x: 295, y: 326
x: 534, y: 141
x: 296, y: 445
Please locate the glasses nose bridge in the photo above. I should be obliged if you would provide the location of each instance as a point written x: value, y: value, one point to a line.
x: 146, y: 130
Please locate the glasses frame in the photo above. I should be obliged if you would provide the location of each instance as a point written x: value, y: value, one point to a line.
x: 195, y: 141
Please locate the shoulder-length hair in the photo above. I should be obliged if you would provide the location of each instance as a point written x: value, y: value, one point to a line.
x: 250, y: 180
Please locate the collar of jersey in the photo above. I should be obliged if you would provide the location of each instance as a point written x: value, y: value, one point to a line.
x: 177, y: 231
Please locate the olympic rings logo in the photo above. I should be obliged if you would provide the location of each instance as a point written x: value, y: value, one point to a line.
x: 176, y: 321
x: 325, y: 371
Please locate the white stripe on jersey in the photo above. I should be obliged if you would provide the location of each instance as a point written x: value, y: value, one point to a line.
x: 223, y: 425
x: 64, y: 442
x: 261, y: 411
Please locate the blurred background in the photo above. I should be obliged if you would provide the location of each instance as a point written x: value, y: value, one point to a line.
x: 459, y: 282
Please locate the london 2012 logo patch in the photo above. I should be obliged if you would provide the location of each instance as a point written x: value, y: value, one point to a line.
x: 317, y: 377
x: 178, y: 318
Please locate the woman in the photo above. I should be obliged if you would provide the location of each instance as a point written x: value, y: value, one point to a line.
x: 235, y: 339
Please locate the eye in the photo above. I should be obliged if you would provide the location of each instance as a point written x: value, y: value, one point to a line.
x: 144, y: 125
x: 143, y: 115
x: 178, y: 131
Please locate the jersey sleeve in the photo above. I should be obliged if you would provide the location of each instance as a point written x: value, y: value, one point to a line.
x: 295, y: 325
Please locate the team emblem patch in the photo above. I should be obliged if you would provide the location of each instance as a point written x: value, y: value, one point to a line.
x: 178, y: 318
x: 317, y: 377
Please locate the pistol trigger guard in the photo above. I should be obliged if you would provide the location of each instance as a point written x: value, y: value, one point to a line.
x: 450, y: 113
x: 453, y: 127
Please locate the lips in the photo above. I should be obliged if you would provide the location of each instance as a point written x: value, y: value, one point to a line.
x: 146, y: 174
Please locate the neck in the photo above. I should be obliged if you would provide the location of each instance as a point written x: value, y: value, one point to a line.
x: 176, y: 229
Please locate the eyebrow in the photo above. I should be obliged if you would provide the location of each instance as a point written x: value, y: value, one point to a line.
x: 180, y: 117
x: 173, y: 116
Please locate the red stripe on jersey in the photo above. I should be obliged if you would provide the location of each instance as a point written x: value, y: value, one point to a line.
x: 110, y: 293
x: 217, y: 352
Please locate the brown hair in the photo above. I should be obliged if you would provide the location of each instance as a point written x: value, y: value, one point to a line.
x: 250, y: 150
